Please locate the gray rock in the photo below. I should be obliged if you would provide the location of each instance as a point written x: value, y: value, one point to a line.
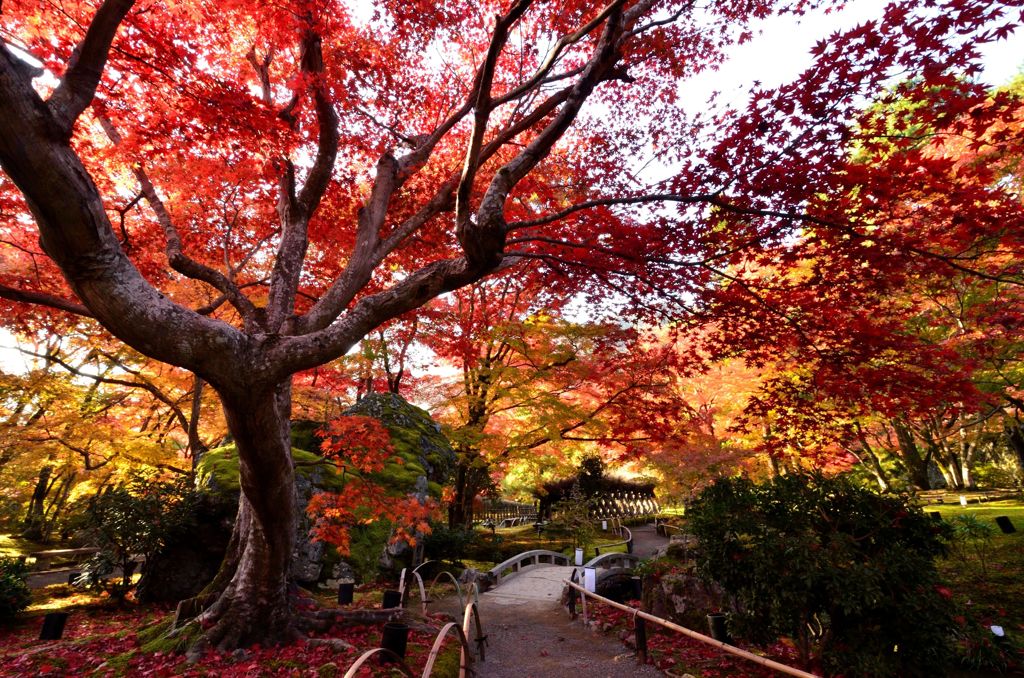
x: 684, y: 598
x: 342, y: 571
x: 307, y: 559
x: 469, y: 576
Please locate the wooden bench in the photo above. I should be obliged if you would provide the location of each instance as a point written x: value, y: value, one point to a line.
x: 43, y: 559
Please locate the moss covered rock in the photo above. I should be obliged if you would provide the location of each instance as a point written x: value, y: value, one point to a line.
x: 417, y: 439
x: 217, y: 471
x: 217, y: 474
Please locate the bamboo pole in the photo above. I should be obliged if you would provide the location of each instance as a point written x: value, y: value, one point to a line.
x: 782, y: 668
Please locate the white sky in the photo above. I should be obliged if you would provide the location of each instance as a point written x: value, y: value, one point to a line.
x: 780, y: 51
x: 776, y: 55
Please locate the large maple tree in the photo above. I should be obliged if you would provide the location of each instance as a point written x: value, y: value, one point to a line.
x: 246, y: 189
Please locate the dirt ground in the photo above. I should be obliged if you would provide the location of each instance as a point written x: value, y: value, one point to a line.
x: 526, y: 642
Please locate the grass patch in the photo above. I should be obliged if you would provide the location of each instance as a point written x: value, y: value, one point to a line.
x: 13, y: 546
x: 1012, y: 509
x: 991, y: 594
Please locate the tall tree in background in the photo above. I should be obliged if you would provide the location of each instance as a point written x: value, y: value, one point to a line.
x: 85, y: 414
x: 901, y: 306
x: 529, y: 378
x: 246, y: 190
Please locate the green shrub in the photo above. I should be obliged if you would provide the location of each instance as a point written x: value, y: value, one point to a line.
x: 14, y: 592
x: 993, y: 476
x: 849, y: 575
x: 572, y: 515
x: 129, y: 520
x: 444, y: 543
x: 971, y: 541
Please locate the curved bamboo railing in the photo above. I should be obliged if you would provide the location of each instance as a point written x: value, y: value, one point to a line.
x: 458, y: 588
x: 470, y: 615
x: 465, y: 654
x: 481, y: 639
x: 402, y: 579
x: 369, y: 653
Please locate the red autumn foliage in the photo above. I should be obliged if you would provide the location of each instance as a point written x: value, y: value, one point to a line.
x: 247, y: 189
x: 359, y: 446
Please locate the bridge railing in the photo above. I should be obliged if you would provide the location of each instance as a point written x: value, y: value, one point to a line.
x: 526, y: 559
x: 640, y: 618
x: 624, y: 533
x: 609, y: 560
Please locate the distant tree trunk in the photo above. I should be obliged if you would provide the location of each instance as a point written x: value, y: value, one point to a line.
x: 35, y: 516
x: 1015, y: 439
x: 950, y: 464
x: 460, y: 511
x: 873, y: 463
x: 471, y: 478
x: 949, y: 477
x: 60, y: 499
x: 196, y: 447
x: 916, y: 464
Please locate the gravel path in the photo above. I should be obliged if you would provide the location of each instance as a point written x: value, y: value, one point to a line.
x: 534, y: 641
x: 537, y: 639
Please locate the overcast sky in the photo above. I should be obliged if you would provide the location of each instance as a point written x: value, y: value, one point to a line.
x: 781, y: 51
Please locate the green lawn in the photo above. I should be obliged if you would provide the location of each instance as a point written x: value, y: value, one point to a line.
x: 1013, y: 508
x: 993, y: 593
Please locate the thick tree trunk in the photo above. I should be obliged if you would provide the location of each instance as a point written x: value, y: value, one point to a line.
x: 251, y: 603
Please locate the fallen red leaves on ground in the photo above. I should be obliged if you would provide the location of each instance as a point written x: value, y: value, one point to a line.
x: 677, y: 653
x: 103, y: 640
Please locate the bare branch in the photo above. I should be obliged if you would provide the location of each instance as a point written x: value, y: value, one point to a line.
x: 178, y: 260
x: 540, y: 76
x: 482, y: 107
x: 607, y: 202
x: 297, y: 211
x: 483, y: 241
x: 141, y: 383
x: 44, y: 299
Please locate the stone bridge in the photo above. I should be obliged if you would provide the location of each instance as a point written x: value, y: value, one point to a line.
x: 538, y: 576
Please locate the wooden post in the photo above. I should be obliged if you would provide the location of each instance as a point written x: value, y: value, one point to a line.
x: 641, y: 639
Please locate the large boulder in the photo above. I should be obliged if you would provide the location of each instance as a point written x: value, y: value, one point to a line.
x: 190, y: 560
x: 683, y: 597
x: 185, y: 565
x: 418, y: 441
